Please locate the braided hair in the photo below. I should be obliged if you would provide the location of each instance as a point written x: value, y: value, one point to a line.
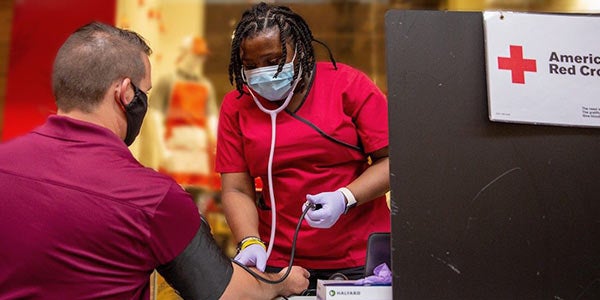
x: 292, y: 26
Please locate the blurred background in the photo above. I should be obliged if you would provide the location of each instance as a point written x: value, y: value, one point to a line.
x: 191, y: 43
x: 31, y: 31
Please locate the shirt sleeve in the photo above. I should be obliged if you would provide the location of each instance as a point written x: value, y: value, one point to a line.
x: 230, y: 145
x: 368, y: 107
x: 201, y: 271
x: 173, y: 224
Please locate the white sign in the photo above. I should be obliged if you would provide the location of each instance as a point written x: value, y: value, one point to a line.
x: 542, y: 68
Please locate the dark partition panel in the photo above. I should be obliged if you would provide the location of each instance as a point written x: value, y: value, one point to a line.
x: 481, y: 210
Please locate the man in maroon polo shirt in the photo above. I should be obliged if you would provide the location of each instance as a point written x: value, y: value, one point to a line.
x: 81, y: 218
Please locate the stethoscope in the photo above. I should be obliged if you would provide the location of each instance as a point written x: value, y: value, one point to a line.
x: 273, y: 113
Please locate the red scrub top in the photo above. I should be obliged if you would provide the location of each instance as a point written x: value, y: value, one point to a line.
x: 80, y: 218
x: 316, y: 150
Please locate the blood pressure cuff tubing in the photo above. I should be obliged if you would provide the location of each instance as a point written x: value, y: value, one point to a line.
x: 201, y: 270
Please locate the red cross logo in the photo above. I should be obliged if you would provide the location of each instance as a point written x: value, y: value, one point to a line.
x: 517, y: 64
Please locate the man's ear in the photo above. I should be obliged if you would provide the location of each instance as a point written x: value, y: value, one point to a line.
x: 124, y: 92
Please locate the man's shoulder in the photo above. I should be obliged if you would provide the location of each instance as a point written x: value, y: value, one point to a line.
x: 148, y: 189
x: 140, y: 175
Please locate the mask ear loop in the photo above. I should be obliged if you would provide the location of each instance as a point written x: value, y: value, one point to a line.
x: 273, y: 113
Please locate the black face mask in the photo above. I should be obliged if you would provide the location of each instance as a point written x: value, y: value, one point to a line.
x: 135, y: 112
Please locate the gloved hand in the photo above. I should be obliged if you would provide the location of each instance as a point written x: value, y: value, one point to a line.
x: 253, y: 256
x: 333, y: 205
x: 381, y: 275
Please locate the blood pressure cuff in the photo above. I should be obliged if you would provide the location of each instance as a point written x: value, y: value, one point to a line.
x: 201, y: 270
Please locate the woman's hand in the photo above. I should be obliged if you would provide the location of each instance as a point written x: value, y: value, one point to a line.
x: 332, y: 206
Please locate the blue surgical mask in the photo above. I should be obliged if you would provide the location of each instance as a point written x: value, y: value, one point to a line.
x: 263, y: 80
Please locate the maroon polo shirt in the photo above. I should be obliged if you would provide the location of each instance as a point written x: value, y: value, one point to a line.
x: 81, y: 218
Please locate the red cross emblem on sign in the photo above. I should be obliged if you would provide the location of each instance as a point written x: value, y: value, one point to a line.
x: 517, y: 64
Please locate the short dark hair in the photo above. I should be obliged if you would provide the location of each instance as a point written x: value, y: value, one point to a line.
x: 91, y: 59
x: 292, y: 26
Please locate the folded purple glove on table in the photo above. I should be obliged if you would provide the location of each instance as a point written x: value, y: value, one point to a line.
x: 381, y: 275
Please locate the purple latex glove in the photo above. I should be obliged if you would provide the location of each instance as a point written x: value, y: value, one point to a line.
x: 333, y: 206
x: 253, y: 256
x: 381, y: 275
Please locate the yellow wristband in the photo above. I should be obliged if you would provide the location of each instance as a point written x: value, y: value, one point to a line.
x: 250, y: 240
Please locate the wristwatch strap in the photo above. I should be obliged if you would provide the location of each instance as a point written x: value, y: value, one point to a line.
x: 350, y: 200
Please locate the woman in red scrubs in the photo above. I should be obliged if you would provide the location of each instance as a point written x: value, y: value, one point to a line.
x: 316, y: 134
